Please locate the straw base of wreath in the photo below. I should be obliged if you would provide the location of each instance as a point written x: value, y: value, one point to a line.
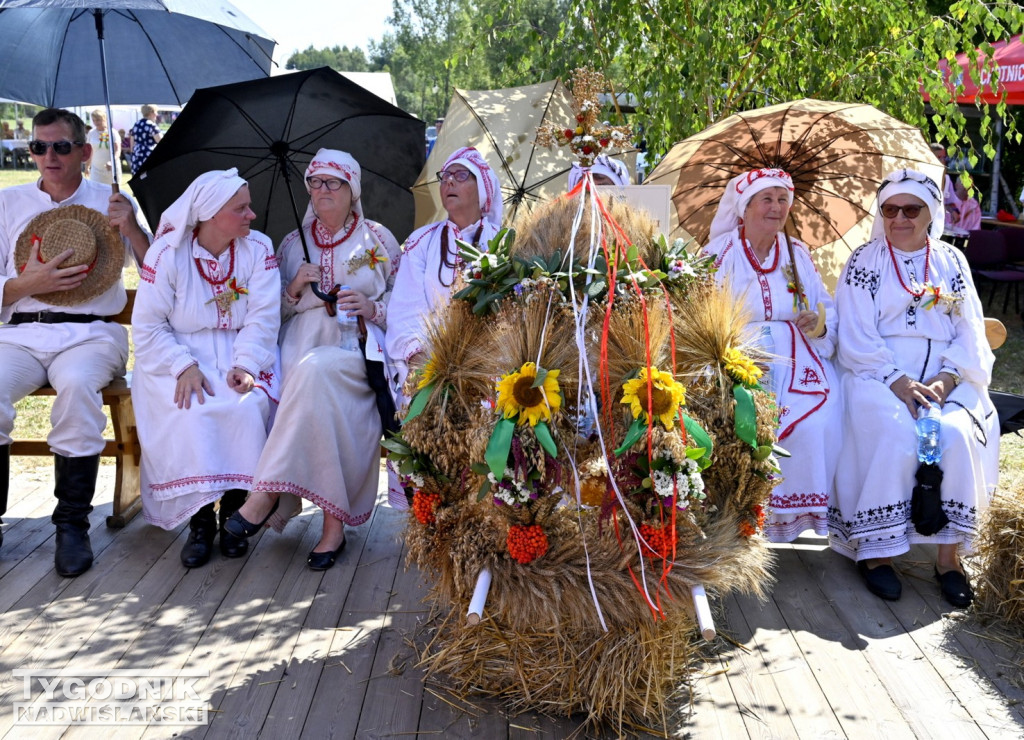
x: 632, y: 678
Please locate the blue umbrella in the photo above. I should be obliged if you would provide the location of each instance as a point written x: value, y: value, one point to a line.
x: 62, y: 53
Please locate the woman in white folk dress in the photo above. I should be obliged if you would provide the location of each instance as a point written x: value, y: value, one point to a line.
x: 911, y: 334
x: 756, y: 258
x: 325, y: 444
x: 205, y: 325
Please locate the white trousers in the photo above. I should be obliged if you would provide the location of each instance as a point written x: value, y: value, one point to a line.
x: 78, y: 374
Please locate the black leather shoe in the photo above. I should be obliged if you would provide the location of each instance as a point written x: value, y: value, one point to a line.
x: 324, y: 560
x: 199, y: 547
x: 74, y: 552
x: 955, y: 588
x: 881, y: 580
x: 239, y: 526
x: 231, y: 546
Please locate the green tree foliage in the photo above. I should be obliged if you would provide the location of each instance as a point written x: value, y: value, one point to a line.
x: 340, y: 58
x: 695, y: 61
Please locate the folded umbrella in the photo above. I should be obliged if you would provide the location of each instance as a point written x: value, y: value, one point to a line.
x: 926, y: 501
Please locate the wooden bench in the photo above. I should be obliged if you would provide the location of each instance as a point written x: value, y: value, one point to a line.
x: 124, y: 447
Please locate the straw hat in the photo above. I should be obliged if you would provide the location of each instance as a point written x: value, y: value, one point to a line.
x: 94, y: 240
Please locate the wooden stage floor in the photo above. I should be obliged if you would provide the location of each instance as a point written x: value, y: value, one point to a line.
x: 292, y: 653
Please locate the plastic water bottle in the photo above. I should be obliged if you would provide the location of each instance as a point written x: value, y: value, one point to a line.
x: 349, y: 328
x: 929, y: 423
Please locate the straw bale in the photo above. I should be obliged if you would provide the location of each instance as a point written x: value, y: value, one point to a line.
x: 999, y: 588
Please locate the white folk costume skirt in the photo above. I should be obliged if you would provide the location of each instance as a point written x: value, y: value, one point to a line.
x: 191, y: 456
x: 325, y: 443
x: 808, y: 394
x: 875, y: 476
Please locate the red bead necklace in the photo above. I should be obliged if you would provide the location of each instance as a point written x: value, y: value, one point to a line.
x: 752, y: 258
x: 343, y: 237
x: 899, y: 273
x: 231, y: 264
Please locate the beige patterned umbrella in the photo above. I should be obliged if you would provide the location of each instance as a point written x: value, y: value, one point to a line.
x: 837, y: 154
x: 502, y: 125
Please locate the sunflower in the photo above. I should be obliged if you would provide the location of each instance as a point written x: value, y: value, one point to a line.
x: 518, y: 393
x: 667, y: 395
x: 741, y: 368
x: 427, y: 374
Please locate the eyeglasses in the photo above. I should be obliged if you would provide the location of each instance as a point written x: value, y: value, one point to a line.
x: 891, y: 210
x: 62, y: 147
x: 319, y: 182
x: 454, y: 176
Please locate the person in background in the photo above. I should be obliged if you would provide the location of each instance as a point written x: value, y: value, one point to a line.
x: 99, y: 137
x: 911, y: 335
x: 963, y: 213
x: 948, y: 193
x: 54, y: 329
x: 325, y: 443
x: 143, y: 137
x: 606, y: 171
x: 205, y: 325
x: 776, y: 280
x: 20, y: 132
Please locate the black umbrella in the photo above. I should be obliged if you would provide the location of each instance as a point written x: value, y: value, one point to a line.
x: 926, y: 500
x: 270, y: 129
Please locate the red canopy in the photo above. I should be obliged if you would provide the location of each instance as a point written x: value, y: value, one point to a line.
x: 1009, y: 58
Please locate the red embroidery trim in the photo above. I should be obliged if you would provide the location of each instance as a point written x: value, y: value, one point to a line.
x: 927, y: 262
x: 343, y: 237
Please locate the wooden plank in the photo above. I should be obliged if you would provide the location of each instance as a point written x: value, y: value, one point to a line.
x: 844, y: 676
x: 920, y: 694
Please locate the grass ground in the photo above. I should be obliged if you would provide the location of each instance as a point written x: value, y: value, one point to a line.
x: 1008, y: 375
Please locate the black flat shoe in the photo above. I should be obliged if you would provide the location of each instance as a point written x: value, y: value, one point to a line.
x: 231, y: 546
x: 324, y: 560
x: 199, y: 546
x: 955, y: 588
x: 881, y: 580
x: 238, y: 526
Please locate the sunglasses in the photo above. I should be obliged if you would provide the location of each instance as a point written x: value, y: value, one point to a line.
x: 890, y: 210
x: 454, y: 176
x: 318, y: 182
x: 62, y: 147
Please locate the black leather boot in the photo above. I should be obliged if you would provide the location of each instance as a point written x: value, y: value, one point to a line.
x: 230, y: 502
x: 199, y: 547
x: 5, y: 472
x: 75, y: 484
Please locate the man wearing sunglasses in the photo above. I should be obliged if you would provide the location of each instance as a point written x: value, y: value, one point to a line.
x: 64, y: 342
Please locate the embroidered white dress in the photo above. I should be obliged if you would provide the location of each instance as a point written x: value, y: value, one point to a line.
x: 325, y: 442
x: 424, y: 285
x: 802, y: 378
x: 191, y: 456
x: 886, y: 332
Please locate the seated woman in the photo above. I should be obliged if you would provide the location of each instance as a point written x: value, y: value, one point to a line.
x: 911, y: 334
x: 205, y: 325
x: 471, y: 195
x: 763, y: 268
x: 325, y: 444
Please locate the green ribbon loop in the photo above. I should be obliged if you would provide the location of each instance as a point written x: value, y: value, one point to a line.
x: 699, y: 438
x: 419, y: 402
x: 498, y: 447
x: 633, y: 435
x: 745, y: 418
x: 544, y: 437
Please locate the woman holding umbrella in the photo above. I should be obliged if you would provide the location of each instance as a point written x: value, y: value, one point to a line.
x: 326, y: 437
x: 912, y: 336
x: 775, y: 278
x: 205, y: 325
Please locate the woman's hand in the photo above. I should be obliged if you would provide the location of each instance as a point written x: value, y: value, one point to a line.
x: 240, y: 380
x: 355, y: 303
x: 807, y: 321
x: 942, y: 385
x: 915, y: 394
x: 191, y: 381
x: 306, y: 274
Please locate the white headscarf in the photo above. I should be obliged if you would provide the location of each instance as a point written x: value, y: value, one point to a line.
x: 910, y: 182
x: 739, y: 192
x: 200, y: 202
x: 615, y: 170
x: 335, y: 163
x: 487, y: 186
